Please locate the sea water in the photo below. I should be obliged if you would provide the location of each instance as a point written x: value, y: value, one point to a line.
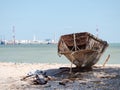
x: 30, y: 53
x: 114, y: 51
x: 47, y: 53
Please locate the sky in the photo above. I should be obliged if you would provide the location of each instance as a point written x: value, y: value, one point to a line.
x: 47, y: 19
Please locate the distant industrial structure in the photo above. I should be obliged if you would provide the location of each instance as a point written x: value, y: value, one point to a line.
x: 11, y: 42
x: 35, y: 41
x: 14, y: 41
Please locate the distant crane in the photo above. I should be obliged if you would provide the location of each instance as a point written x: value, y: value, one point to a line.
x: 13, y: 36
x: 97, y: 30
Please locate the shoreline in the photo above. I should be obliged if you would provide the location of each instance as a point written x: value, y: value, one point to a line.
x: 5, y: 63
x: 11, y: 73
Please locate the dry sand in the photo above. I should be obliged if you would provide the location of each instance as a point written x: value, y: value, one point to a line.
x: 99, y: 78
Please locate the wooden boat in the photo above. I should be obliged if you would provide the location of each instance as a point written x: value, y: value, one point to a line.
x: 82, y: 49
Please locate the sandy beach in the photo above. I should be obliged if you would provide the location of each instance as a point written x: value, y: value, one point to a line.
x: 99, y: 78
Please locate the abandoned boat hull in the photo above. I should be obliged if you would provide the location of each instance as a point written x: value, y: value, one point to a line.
x: 83, y: 58
x: 82, y: 49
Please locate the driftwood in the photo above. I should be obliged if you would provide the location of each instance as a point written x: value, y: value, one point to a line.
x: 37, y: 77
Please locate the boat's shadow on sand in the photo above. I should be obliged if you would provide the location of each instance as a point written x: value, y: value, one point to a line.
x: 96, y: 71
x: 107, y: 78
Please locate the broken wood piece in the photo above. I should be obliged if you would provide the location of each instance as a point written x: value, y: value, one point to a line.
x: 106, y: 60
x: 64, y: 81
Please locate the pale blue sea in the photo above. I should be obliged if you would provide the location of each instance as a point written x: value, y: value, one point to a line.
x: 43, y: 53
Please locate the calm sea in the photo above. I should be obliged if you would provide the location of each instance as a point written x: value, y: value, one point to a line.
x: 43, y: 53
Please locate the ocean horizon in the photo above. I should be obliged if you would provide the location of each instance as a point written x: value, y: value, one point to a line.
x: 47, y: 53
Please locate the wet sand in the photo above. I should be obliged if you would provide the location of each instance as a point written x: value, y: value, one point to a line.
x: 99, y: 78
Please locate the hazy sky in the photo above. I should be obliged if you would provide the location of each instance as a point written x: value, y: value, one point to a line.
x: 44, y: 18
